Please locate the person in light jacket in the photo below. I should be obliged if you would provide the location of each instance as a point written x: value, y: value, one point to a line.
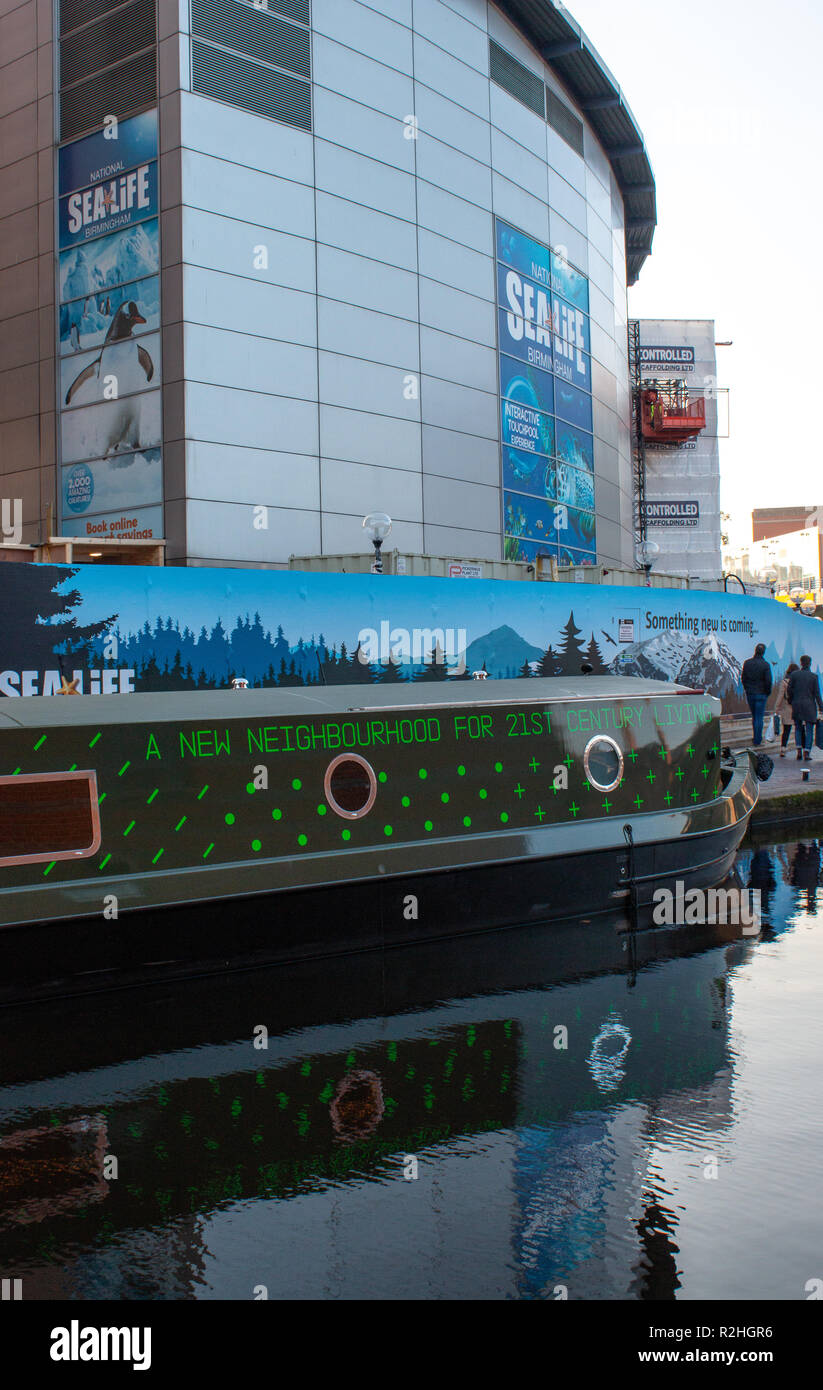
x: 807, y: 705
x: 784, y: 710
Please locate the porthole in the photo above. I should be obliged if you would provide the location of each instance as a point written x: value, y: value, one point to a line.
x: 350, y: 786
x: 603, y: 762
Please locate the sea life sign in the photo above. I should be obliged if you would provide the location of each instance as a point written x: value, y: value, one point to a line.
x: 544, y: 342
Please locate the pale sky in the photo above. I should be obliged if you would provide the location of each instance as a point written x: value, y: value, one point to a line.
x: 729, y: 97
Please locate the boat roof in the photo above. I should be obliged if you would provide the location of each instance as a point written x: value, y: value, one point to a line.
x: 37, y: 712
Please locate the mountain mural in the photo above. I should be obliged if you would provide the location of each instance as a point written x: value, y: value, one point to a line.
x: 703, y: 663
x: 502, y: 652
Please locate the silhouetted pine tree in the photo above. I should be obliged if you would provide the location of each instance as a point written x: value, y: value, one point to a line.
x: 359, y: 672
x: 390, y: 674
x: 571, y: 653
x: 594, y: 656
x: 434, y: 668
x: 549, y: 664
x: 525, y: 672
x: 48, y: 620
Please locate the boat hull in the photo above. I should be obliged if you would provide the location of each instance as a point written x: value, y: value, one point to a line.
x: 388, y: 910
x: 144, y: 834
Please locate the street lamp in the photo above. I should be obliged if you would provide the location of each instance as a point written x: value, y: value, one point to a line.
x: 646, y: 552
x: 377, y: 526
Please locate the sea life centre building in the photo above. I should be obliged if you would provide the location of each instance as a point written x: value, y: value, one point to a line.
x: 273, y: 265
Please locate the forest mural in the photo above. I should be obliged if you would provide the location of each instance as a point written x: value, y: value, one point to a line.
x: 188, y: 630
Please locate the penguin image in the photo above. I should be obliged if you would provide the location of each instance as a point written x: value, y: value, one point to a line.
x: 120, y: 357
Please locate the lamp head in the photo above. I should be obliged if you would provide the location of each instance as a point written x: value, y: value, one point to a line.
x: 377, y: 526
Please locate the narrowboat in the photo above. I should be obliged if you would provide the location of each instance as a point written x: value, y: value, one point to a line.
x: 180, y: 833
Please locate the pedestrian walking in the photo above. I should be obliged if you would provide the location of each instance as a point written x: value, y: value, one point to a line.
x: 757, y: 683
x: 784, y: 710
x: 807, y: 706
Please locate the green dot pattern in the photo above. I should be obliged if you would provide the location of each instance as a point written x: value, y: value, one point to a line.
x: 179, y: 795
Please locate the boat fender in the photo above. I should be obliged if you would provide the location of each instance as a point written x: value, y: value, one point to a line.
x: 764, y: 767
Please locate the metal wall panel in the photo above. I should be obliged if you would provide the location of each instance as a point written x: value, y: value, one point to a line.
x: 251, y: 419
x: 367, y: 283
x: 363, y: 231
x: 472, y: 317
x: 456, y: 266
x: 233, y: 302
x: 368, y: 386
x: 453, y: 454
x: 366, y: 438
x: 249, y: 362
x: 226, y: 132
x: 223, y: 531
x: 365, y: 181
x: 457, y: 407
x: 363, y: 29
x: 347, y: 329
x: 254, y: 477
x: 477, y: 507
x: 456, y: 359
x: 228, y: 245
x: 362, y: 78
x: 359, y: 488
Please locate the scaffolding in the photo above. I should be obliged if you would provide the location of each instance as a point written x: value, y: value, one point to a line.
x: 638, y: 441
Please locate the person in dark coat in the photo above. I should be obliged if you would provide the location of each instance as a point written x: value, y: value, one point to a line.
x: 807, y: 705
x: 757, y: 683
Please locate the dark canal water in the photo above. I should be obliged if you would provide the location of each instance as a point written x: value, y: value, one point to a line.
x: 415, y: 1127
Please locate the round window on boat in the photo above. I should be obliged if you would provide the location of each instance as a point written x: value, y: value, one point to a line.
x: 350, y: 786
x: 603, y: 762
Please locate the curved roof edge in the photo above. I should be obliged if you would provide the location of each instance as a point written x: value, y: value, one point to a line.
x: 581, y: 71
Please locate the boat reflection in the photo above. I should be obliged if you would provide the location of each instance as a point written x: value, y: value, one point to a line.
x: 246, y: 1113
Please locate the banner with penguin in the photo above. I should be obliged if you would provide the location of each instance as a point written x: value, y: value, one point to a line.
x: 109, y: 333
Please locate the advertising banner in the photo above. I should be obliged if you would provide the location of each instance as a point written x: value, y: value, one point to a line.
x: 196, y: 629
x: 106, y: 207
x: 87, y: 322
x: 545, y: 401
x: 109, y: 485
x: 109, y: 152
x: 115, y: 427
x: 137, y: 524
x: 109, y: 324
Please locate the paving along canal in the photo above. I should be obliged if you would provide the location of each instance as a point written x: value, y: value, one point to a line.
x: 488, y: 1118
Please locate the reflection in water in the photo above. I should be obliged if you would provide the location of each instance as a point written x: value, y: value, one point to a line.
x: 554, y: 1126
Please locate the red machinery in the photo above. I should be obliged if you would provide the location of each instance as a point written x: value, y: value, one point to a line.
x: 670, y: 413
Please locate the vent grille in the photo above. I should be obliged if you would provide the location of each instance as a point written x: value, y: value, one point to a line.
x: 516, y: 79
x: 250, y: 85
x: 564, y: 121
x: 123, y: 34
x: 108, y: 62
x: 519, y: 82
x: 122, y: 90
x: 74, y: 13
x: 254, y: 32
x: 298, y: 10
